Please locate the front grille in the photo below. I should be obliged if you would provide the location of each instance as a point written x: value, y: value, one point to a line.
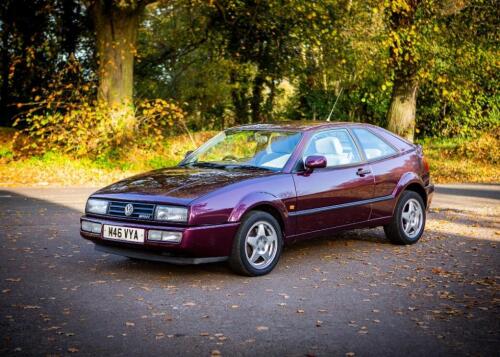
x: 141, y: 210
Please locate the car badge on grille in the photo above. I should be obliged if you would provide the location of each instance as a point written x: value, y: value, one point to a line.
x: 129, y: 209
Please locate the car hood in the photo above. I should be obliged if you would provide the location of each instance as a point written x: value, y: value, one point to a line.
x: 180, y: 184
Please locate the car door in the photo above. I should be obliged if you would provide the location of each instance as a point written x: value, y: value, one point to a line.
x: 335, y: 195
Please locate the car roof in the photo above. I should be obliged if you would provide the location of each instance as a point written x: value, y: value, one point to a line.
x: 296, y: 125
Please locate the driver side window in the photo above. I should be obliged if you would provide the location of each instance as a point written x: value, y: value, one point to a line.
x: 336, y: 146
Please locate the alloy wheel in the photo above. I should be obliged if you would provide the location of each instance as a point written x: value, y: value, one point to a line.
x: 261, y: 245
x: 412, y: 218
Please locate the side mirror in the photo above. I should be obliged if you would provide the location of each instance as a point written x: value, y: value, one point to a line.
x: 188, y: 153
x: 314, y: 162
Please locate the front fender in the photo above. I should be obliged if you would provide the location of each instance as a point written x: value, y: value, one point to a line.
x: 254, y: 199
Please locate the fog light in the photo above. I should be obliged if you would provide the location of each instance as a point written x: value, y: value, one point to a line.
x: 165, y: 236
x: 154, y: 235
x: 91, y: 227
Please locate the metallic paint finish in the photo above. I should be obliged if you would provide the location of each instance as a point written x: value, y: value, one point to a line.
x: 388, y: 176
x: 341, y: 206
x: 324, y: 201
x: 330, y: 187
x: 206, y: 241
x: 315, y: 162
x: 182, y: 185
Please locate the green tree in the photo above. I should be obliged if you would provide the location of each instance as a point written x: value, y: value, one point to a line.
x: 36, y: 39
x: 260, y: 38
x: 422, y: 35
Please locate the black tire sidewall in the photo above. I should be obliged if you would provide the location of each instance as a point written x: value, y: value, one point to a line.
x: 247, y: 223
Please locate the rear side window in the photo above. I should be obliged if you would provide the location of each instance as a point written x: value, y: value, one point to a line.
x: 373, y: 146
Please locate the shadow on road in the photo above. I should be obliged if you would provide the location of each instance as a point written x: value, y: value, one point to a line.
x: 42, y: 218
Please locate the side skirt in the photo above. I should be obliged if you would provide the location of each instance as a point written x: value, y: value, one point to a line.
x: 322, y: 232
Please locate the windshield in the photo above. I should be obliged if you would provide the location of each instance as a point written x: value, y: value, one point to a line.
x: 246, y: 148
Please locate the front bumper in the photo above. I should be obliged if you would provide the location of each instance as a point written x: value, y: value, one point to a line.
x: 210, y: 241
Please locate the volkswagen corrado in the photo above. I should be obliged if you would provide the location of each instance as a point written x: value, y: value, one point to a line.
x: 252, y: 189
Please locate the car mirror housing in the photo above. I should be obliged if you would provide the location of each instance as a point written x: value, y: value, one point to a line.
x: 314, y: 162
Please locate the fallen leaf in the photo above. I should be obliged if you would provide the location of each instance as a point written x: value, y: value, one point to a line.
x: 13, y: 280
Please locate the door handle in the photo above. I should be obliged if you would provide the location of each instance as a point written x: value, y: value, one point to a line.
x: 362, y: 172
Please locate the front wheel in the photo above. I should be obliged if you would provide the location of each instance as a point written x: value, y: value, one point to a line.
x: 257, y: 245
x: 408, y: 221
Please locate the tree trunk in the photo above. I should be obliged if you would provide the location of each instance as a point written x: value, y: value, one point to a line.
x: 5, y: 89
x: 403, y: 107
x: 257, y: 98
x: 239, y: 99
x: 116, y: 35
x: 269, y: 105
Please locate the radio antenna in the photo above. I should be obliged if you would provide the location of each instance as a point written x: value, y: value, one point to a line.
x: 334, y: 104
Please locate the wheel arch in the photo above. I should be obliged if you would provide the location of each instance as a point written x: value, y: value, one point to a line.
x: 265, y: 202
x: 273, y: 211
x: 411, y: 182
x: 419, y: 189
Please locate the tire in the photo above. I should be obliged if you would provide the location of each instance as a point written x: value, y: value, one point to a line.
x: 259, y: 234
x: 406, y: 228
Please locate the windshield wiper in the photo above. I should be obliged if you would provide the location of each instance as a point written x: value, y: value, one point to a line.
x: 208, y: 164
x: 248, y: 167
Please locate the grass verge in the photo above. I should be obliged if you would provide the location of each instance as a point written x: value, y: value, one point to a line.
x: 464, y: 160
x: 56, y: 169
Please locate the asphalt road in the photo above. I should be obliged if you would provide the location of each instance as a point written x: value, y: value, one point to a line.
x: 348, y: 294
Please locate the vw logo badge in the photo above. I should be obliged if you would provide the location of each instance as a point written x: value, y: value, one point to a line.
x: 129, y: 209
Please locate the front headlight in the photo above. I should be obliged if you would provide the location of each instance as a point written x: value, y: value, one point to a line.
x: 171, y: 213
x: 96, y: 206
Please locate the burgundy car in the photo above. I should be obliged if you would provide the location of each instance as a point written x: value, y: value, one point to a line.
x: 252, y: 189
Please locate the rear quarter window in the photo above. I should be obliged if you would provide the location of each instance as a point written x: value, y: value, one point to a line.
x: 372, y: 145
x: 400, y: 143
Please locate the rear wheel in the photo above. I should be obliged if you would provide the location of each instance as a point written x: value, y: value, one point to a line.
x: 257, y: 246
x: 408, y: 222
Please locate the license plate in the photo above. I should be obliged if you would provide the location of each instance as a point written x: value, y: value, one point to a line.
x: 125, y: 234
